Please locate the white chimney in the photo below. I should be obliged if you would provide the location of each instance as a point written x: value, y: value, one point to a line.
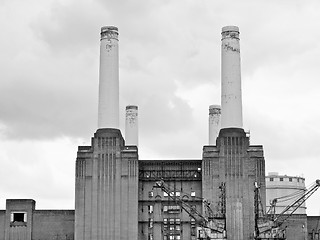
x: 108, y: 112
x: 231, y: 98
x: 131, y: 125
x: 214, y: 123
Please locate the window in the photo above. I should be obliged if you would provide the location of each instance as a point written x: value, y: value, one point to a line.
x: 150, y: 223
x: 193, y: 231
x: 193, y: 193
x: 290, y: 179
x: 18, y: 217
x: 150, y: 194
x: 165, y: 208
x: 150, y: 208
x: 172, y: 209
x: 271, y: 179
x: 297, y: 179
x: 281, y: 179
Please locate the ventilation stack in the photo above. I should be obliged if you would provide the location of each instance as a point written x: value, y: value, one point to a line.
x: 132, y: 125
x: 106, y: 189
x: 232, y: 166
x: 108, y: 109
x: 214, y: 123
x: 231, y: 100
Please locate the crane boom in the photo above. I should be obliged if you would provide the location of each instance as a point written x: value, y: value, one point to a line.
x: 269, y: 226
x: 208, y: 227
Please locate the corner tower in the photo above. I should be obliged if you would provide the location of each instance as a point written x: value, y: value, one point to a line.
x: 106, y: 191
x: 233, y: 162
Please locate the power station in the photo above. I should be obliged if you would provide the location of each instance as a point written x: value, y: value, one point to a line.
x: 119, y: 196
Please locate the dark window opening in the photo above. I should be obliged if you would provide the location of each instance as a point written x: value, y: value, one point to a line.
x: 18, y: 217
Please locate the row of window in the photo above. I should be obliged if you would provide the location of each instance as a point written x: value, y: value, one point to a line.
x: 271, y: 179
x: 172, y: 194
x: 168, y: 208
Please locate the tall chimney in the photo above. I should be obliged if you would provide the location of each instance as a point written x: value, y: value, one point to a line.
x: 108, y: 112
x: 214, y: 123
x: 231, y: 99
x: 131, y: 125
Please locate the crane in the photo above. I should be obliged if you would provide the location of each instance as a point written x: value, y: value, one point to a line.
x: 268, y: 226
x: 209, y: 227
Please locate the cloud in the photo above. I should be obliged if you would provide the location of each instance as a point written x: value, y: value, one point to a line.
x: 169, y: 67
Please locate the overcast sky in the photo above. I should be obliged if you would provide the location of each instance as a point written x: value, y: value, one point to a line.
x: 169, y: 67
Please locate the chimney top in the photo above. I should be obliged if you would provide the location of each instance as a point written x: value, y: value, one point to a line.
x: 230, y: 32
x: 214, y: 106
x: 230, y: 29
x: 109, y: 28
x: 109, y: 32
x: 131, y: 107
x: 214, y: 109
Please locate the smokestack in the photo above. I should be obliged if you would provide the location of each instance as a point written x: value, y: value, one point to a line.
x: 108, y: 112
x: 231, y: 99
x: 214, y: 123
x: 132, y: 125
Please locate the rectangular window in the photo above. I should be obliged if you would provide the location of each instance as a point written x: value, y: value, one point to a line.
x: 174, y: 209
x: 193, y: 231
x: 18, y: 217
x: 281, y: 179
x: 150, y: 208
x: 193, y: 193
x: 271, y: 179
x: 165, y: 221
x: 290, y: 179
x: 150, y: 223
x: 150, y: 194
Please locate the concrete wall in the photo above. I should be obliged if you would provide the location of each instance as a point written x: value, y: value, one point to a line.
x: 237, y: 164
x: 106, y: 188
x: 182, y: 177
x: 313, y: 227
x: 2, y: 223
x: 296, y: 227
x: 38, y: 224
x: 53, y: 224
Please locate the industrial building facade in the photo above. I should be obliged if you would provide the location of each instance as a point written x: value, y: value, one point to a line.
x: 120, y: 197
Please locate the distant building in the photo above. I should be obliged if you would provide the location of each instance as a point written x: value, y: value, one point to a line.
x: 120, y: 197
